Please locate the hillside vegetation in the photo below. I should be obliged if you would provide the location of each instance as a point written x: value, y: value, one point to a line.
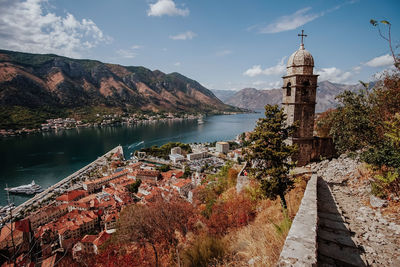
x: 368, y: 122
x: 220, y: 228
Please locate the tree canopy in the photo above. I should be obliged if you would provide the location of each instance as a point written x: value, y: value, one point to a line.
x: 270, y: 153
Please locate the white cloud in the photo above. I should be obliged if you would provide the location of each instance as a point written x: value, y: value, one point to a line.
x: 275, y: 84
x: 357, y: 69
x: 26, y: 26
x: 295, y: 20
x: 136, y: 47
x: 177, y: 64
x: 166, y: 7
x: 256, y: 70
x: 224, y: 53
x: 126, y: 53
x: 382, y: 61
x: 253, y: 71
x: 189, y: 35
x: 291, y: 22
x: 258, y: 83
x: 334, y: 74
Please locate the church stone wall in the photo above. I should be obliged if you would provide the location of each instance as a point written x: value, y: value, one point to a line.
x: 323, y: 147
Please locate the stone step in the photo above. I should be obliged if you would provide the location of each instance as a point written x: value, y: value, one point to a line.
x: 335, y: 225
x: 342, y: 238
x: 330, y: 216
x: 340, y: 255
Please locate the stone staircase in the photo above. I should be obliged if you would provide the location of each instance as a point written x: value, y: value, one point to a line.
x: 319, y: 235
x: 335, y: 244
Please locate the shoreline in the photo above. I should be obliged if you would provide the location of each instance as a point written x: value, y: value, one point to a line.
x: 54, y: 125
x: 49, y: 192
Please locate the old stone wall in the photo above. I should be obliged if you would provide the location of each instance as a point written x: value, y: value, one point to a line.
x: 300, y: 248
x: 323, y: 147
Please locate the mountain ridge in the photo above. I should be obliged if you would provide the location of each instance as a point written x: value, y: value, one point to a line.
x: 256, y: 99
x: 36, y: 80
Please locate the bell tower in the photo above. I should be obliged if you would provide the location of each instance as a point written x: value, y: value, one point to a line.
x: 299, y: 99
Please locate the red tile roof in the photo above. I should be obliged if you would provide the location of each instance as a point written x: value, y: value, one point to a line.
x: 72, y: 195
x: 167, y: 175
x: 88, y: 238
x: 102, y: 238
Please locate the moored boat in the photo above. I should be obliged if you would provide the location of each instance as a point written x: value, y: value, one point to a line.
x: 28, y: 189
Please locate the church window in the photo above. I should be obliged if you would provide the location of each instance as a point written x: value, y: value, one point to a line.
x: 304, y: 91
x: 288, y: 89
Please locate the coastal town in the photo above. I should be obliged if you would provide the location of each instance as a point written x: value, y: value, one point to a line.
x: 101, y: 120
x: 80, y: 213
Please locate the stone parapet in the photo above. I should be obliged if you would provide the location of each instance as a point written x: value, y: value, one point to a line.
x: 300, y: 248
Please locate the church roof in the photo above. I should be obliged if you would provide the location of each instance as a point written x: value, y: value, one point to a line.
x: 300, y: 57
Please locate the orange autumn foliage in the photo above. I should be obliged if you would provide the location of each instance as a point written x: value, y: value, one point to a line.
x: 233, y: 213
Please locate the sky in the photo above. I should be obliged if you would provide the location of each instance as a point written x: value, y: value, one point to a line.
x: 223, y: 44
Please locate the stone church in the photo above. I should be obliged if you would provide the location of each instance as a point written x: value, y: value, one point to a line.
x: 298, y: 101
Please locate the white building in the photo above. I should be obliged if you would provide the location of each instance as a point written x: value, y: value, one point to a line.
x: 176, y: 158
x: 176, y: 150
x: 222, y: 147
x: 197, y: 155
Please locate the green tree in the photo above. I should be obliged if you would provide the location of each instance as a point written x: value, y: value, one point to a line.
x: 134, y: 188
x: 270, y: 154
x: 354, y: 125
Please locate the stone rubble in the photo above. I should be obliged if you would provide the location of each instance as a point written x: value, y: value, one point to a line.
x: 378, y: 235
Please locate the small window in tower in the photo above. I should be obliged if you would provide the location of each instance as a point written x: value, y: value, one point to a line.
x: 288, y: 89
x: 304, y: 90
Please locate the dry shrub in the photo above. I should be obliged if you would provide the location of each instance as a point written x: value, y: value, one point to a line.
x: 203, y: 252
x: 260, y: 243
x: 235, y: 212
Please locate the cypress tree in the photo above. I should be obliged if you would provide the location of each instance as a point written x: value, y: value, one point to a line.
x: 269, y: 153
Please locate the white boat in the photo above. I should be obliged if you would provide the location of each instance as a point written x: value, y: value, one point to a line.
x: 28, y: 189
x: 200, y: 120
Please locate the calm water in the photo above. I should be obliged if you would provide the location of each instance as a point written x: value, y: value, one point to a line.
x: 49, y: 157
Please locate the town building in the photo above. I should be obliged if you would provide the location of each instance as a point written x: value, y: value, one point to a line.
x: 47, y: 214
x: 175, y: 158
x: 197, y: 155
x: 96, y: 184
x: 176, y: 150
x: 151, y: 175
x: 70, y: 196
x: 222, y: 147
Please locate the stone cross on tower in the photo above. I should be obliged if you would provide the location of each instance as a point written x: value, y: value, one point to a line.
x: 302, y: 35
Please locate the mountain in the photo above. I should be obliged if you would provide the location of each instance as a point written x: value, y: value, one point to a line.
x: 255, y: 99
x: 35, y: 81
x: 223, y: 95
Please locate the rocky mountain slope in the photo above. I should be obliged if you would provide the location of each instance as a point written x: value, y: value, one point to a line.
x: 34, y: 80
x: 255, y: 99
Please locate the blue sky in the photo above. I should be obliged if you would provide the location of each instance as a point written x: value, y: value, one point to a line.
x: 223, y: 44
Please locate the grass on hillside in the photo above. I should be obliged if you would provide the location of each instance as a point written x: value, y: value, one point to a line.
x: 262, y: 240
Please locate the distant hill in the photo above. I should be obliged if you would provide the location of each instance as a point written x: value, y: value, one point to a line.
x: 255, y: 99
x: 223, y: 95
x: 32, y: 81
